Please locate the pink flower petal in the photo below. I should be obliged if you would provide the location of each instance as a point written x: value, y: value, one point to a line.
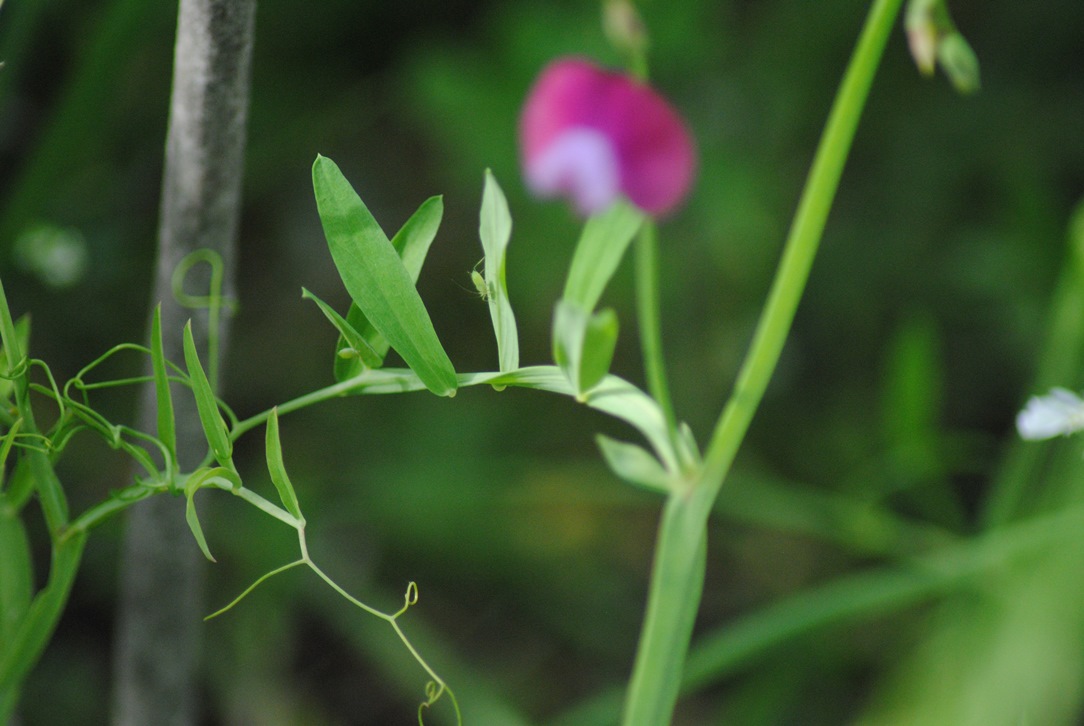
x: 579, y: 121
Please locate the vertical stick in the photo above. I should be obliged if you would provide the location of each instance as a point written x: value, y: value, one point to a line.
x: 157, y: 650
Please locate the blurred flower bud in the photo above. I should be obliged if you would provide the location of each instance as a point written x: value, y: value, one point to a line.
x: 1058, y: 413
x: 624, y: 27
x: 933, y: 38
x: 591, y: 135
x: 922, y: 39
x: 959, y: 62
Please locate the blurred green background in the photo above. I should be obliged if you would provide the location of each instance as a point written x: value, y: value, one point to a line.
x: 879, y: 441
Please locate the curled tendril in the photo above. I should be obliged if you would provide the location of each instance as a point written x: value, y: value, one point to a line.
x: 409, y: 598
x: 433, y: 691
x: 213, y: 301
x: 19, y: 369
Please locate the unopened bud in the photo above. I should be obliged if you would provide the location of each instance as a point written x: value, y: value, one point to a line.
x: 623, y: 26
x: 960, y: 63
x: 922, y: 39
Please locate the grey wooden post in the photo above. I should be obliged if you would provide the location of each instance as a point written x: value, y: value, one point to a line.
x: 156, y: 660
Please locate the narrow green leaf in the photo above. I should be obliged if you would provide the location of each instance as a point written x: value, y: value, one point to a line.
x: 599, y: 341
x: 687, y: 449
x: 613, y: 396
x: 54, y: 503
x: 277, y: 468
x: 412, y: 243
x: 22, y: 337
x: 214, y: 426
x: 583, y: 344
x: 569, y: 329
x: 167, y: 433
x: 635, y: 465
x: 16, y: 572
x: 34, y: 630
x: 192, y: 518
x: 213, y: 477
x: 495, y: 229
x: 5, y: 450
x: 21, y: 485
x: 351, y: 341
x: 376, y: 279
x: 346, y: 367
x: 601, y: 246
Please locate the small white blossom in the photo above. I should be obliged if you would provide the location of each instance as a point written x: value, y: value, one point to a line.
x: 1058, y: 412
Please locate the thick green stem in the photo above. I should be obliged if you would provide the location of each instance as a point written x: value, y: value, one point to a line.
x: 677, y: 577
x: 677, y: 582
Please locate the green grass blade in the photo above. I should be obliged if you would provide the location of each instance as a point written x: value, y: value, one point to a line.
x: 277, y: 468
x: 377, y: 280
x: 495, y: 229
x: 214, y: 426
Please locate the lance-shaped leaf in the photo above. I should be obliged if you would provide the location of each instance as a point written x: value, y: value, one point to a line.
x: 583, y: 344
x: 412, y: 243
x: 277, y: 468
x: 167, y: 433
x: 495, y: 229
x: 635, y: 465
x: 34, y: 629
x: 16, y: 573
x: 22, y: 338
x: 352, y: 344
x: 599, y: 250
x: 218, y: 477
x: 192, y: 518
x: 214, y: 426
x: 376, y: 279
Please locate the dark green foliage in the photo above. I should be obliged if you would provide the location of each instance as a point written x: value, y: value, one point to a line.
x: 879, y: 442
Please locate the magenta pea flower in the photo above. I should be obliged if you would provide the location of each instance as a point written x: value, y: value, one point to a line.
x: 592, y: 135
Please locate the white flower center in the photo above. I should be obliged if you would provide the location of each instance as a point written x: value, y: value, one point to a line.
x: 581, y: 163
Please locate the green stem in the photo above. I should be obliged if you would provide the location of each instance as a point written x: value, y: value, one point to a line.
x: 54, y: 503
x: 677, y: 575
x: 677, y: 582
x: 801, y: 246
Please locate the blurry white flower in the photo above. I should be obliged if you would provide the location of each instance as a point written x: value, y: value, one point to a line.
x: 56, y: 255
x: 1044, y: 417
